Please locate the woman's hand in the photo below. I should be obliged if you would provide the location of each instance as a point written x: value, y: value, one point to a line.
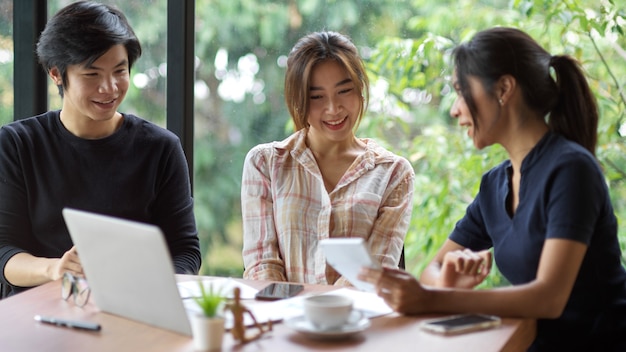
x: 464, y: 268
x: 400, y: 290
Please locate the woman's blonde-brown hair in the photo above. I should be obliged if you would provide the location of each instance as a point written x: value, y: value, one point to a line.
x: 309, y: 51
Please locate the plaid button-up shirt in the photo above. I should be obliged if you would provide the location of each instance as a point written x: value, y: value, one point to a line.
x: 287, y: 210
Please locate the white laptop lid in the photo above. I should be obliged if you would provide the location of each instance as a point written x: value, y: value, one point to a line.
x: 128, y: 268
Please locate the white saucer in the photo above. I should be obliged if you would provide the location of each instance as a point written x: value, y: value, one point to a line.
x: 356, y: 323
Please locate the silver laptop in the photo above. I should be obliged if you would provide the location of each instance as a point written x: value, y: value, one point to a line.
x: 129, y: 269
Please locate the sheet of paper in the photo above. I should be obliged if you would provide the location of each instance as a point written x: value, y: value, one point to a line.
x: 369, y: 303
x: 263, y: 311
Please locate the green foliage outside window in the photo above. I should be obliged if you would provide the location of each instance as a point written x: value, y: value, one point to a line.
x: 241, y: 46
x: 448, y: 168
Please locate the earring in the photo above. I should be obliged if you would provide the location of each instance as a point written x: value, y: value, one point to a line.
x: 500, y: 102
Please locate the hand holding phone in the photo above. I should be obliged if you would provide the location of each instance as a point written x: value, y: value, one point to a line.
x: 278, y: 290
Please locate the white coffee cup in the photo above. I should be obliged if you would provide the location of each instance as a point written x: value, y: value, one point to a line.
x: 328, y: 311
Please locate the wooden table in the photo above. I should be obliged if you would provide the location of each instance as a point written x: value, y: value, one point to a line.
x: 395, y: 333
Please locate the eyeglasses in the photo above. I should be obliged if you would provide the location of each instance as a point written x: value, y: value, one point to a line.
x: 77, y: 286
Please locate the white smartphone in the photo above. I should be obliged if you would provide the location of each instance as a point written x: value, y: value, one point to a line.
x: 457, y: 324
x: 348, y: 255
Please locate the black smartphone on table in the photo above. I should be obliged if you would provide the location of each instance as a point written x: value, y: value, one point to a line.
x: 278, y: 290
x: 461, y: 323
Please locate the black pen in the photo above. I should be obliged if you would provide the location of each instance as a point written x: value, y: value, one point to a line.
x: 74, y: 324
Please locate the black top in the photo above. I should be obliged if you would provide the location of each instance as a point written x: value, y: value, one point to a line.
x: 563, y: 194
x: 138, y: 173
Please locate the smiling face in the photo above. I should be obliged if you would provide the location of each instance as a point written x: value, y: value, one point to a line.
x: 485, y: 127
x: 94, y: 92
x: 334, y: 103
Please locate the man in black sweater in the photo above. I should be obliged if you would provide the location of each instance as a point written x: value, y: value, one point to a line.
x: 88, y: 155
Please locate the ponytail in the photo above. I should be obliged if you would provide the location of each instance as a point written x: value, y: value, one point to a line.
x: 567, y: 101
x: 575, y: 115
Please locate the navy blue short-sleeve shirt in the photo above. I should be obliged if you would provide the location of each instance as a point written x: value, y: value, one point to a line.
x: 563, y: 194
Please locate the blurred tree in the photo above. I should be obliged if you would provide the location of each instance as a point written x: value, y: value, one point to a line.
x: 6, y: 61
x: 417, y: 70
x: 241, y: 48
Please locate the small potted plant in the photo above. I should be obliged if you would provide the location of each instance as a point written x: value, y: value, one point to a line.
x: 208, y: 326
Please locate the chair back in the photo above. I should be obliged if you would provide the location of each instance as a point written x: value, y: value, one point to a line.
x: 4, y: 290
x: 401, y: 262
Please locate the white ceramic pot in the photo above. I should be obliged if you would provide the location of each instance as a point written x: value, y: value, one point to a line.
x: 208, y: 333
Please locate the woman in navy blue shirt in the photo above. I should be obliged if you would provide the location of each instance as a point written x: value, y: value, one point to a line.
x: 546, y: 211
